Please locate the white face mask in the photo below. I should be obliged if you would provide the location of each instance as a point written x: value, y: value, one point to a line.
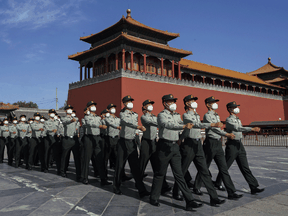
x: 113, y: 111
x: 214, y: 106
x: 42, y: 120
x: 52, y: 115
x: 93, y: 108
x: 15, y: 122
x: 150, y: 108
x: 55, y: 117
x: 194, y: 105
x: 31, y: 122
x: 37, y: 118
x: 130, y: 105
x: 88, y: 112
x: 5, y: 122
x: 172, y: 107
x: 107, y: 114
x: 73, y: 114
x: 69, y: 111
x: 23, y: 119
x: 236, y: 110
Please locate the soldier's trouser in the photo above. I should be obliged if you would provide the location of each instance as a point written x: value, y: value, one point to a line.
x: 187, y: 176
x: 192, y: 150
x: 213, y: 150
x: 111, y: 151
x: 25, y: 150
x: 127, y: 150
x: 57, y: 152
x: 236, y: 151
x: 20, y: 143
x: 3, y: 142
x: 86, y: 155
x: 169, y: 153
x: 11, y: 150
x: 33, y: 145
x: 44, y: 151
x: 148, y: 152
x: 71, y: 144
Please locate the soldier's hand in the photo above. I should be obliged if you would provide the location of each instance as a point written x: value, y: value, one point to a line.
x: 189, y: 125
x: 14, y: 132
x: 219, y: 124
x: 119, y: 127
x: 54, y: 131
x: 7, y: 130
x: 179, y: 142
x: 104, y: 126
x: 73, y: 120
x: 41, y: 129
x: 256, y: 129
x: 230, y: 136
x: 143, y: 128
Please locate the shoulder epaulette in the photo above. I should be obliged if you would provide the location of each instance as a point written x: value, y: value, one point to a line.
x: 123, y: 110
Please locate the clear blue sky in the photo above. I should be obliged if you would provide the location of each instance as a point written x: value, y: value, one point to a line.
x: 36, y: 37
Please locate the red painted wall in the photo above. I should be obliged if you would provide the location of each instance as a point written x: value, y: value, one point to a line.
x: 102, y: 93
x: 251, y: 108
x: 285, y: 107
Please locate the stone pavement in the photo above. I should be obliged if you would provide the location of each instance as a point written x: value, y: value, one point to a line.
x: 24, y: 192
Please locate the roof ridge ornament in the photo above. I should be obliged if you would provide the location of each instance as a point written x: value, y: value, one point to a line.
x: 269, y: 60
x: 128, y: 13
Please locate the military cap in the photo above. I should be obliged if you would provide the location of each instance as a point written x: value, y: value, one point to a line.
x: 147, y: 102
x: 30, y: 119
x: 42, y: 117
x: 14, y: 118
x: 68, y: 107
x: 127, y: 98
x: 190, y: 97
x: 91, y: 103
x: 37, y: 114
x: 52, y: 111
x: 22, y: 115
x: 211, y: 100
x: 111, y: 105
x: 232, y: 104
x: 74, y: 111
x: 168, y: 97
x: 56, y: 113
x: 104, y: 111
x: 85, y: 109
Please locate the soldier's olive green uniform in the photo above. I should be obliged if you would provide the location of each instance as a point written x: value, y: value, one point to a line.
x: 191, y: 150
x: 104, y: 136
x: 149, y: 145
x: 12, y: 142
x: 57, y: 146
x: 4, y: 140
x: 127, y: 150
x: 113, y: 134
x: 92, y: 147
x: 21, y: 141
x: 236, y: 151
x: 48, y: 141
x: 169, y: 125
x: 213, y: 150
x: 70, y: 143
x: 26, y: 147
x: 34, y: 142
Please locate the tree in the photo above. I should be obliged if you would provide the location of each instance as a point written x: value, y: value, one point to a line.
x: 26, y: 104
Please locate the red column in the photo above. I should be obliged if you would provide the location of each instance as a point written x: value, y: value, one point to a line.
x: 254, y: 88
x: 106, y: 64
x: 173, y: 69
x: 260, y: 89
x: 231, y: 84
x: 179, y: 71
x: 193, y: 77
x: 266, y: 90
x: 223, y: 82
x: 116, y: 61
x: 131, y: 61
x: 85, y: 71
x: 246, y: 87
x: 162, y: 66
x: 277, y: 92
x: 203, y: 77
x: 81, y: 73
x: 213, y: 81
x: 272, y: 91
x: 94, y: 72
x: 144, y: 63
x: 123, y: 59
x: 239, y: 85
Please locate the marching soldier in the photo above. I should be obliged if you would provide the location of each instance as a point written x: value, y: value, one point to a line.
x: 191, y: 149
x: 4, y: 139
x: 37, y: 129
x: 70, y: 143
x: 235, y: 149
x: 12, y: 139
x: 49, y: 140
x: 23, y: 129
x: 57, y: 147
x: 26, y: 147
x: 127, y: 149
x: 103, y: 132
x: 93, y: 125
x: 148, y: 142
x: 213, y: 150
x: 113, y: 128
x: 169, y: 126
